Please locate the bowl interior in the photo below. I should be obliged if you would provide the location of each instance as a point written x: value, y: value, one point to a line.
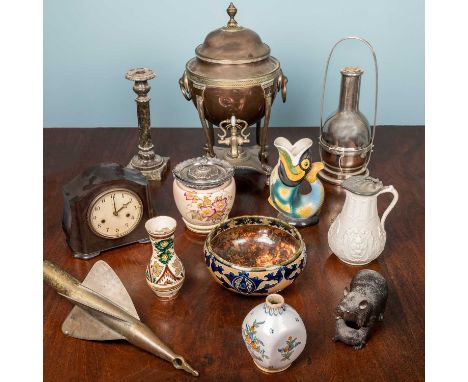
x: 255, y: 245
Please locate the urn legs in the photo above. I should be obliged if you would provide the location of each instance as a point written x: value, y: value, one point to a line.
x: 207, y: 127
x: 253, y: 158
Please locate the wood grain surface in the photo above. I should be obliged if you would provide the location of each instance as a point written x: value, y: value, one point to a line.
x: 204, y: 323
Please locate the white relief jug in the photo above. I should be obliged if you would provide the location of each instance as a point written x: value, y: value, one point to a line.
x: 357, y: 236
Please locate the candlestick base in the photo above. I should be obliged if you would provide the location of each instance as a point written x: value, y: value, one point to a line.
x: 151, y: 169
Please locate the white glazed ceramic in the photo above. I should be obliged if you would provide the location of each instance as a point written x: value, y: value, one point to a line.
x: 165, y: 273
x: 274, y: 334
x: 357, y: 236
x: 202, y: 210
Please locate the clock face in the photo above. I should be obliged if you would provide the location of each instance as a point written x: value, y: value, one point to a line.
x: 115, y: 213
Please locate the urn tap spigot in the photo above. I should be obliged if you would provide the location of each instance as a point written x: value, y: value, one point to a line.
x: 238, y: 136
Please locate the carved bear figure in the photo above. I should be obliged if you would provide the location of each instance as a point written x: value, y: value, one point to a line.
x: 362, y: 305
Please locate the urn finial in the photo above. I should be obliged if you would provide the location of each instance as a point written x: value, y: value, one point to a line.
x: 231, y: 11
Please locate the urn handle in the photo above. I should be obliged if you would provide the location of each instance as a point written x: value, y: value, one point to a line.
x: 393, y: 191
x: 184, y: 87
x: 282, y: 82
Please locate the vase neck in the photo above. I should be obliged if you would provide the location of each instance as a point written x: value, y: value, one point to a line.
x: 350, y: 86
x: 274, y: 305
x: 156, y: 239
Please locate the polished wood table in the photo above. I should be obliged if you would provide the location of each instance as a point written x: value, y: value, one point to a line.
x: 204, y: 323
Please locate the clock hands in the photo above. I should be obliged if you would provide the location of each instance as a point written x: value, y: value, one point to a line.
x: 115, y: 208
x: 121, y: 208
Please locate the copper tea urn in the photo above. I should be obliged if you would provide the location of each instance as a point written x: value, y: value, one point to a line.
x: 232, y: 82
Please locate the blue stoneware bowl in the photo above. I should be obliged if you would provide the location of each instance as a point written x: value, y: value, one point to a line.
x: 255, y: 255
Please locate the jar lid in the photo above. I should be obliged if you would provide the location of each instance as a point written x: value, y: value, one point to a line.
x: 203, y: 172
x: 232, y: 44
x: 362, y: 185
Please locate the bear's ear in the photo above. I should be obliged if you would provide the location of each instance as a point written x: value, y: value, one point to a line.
x: 363, y: 304
x: 346, y: 291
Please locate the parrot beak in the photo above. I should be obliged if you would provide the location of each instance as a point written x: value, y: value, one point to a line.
x: 312, y: 175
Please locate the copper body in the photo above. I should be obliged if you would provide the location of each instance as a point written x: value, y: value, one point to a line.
x: 247, y: 104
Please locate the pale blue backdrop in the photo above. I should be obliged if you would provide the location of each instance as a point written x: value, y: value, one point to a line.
x: 90, y: 44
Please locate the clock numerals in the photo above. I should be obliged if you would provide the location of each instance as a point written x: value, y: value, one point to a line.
x: 115, y: 216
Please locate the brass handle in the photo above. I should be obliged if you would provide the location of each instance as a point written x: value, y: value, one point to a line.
x: 282, y: 82
x: 184, y: 87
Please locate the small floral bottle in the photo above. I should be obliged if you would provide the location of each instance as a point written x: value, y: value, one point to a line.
x: 165, y: 273
x: 274, y: 334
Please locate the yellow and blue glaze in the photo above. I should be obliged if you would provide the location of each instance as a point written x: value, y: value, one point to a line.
x: 294, y: 166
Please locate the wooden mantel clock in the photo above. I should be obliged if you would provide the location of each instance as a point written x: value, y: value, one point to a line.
x: 105, y: 207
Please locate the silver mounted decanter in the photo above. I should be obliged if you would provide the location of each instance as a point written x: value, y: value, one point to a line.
x: 346, y: 138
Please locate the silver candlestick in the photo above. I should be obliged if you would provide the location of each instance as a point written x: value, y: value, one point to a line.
x: 151, y: 165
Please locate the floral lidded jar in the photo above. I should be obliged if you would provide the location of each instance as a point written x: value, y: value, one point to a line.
x: 204, y: 191
x: 274, y: 334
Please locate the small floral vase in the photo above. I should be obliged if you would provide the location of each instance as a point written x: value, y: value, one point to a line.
x: 165, y: 273
x: 274, y: 334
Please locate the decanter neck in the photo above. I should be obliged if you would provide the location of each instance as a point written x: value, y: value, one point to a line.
x: 350, y: 86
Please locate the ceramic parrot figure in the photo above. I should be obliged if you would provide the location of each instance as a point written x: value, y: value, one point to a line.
x: 294, y: 166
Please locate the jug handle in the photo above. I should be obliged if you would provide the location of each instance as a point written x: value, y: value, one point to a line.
x: 393, y: 191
